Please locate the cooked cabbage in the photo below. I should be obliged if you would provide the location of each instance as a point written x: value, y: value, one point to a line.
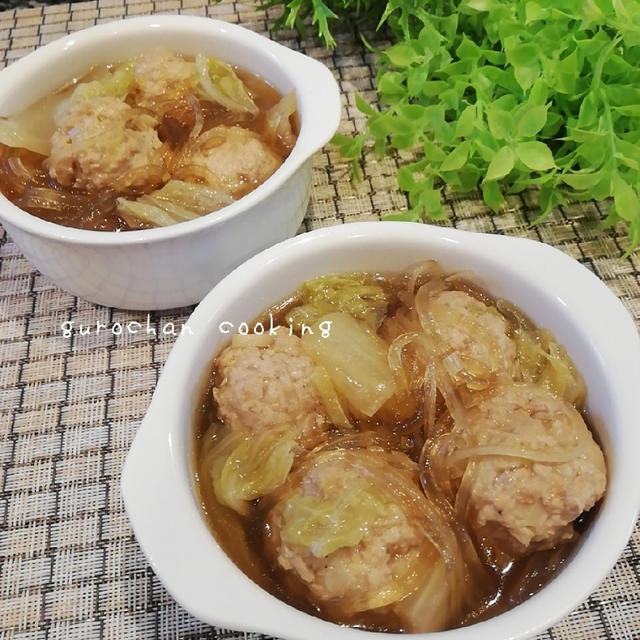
x: 175, y: 202
x: 116, y: 84
x: 219, y: 82
x: 246, y: 466
x: 32, y: 128
x: 355, y: 359
x: 14, y: 133
x: 541, y: 360
x: 357, y: 294
x: 278, y: 120
x: 323, y: 385
x: 327, y: 524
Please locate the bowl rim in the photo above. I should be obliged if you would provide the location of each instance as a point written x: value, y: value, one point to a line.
x: 297, y: 67
x: 615, y: 522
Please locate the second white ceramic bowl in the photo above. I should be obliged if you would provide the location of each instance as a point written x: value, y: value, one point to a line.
x: 176, y: 265
x: 555, y: 291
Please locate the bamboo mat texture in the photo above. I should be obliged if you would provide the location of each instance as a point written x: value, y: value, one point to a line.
x: 70, y: 567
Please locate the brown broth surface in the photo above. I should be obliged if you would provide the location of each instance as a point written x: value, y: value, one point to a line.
x: 97, y: 211
x: 243, y: 538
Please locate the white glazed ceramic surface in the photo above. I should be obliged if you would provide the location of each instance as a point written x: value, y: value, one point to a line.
x: 554, y: 290
x: 177, y: 265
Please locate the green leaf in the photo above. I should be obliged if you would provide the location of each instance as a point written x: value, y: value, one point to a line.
x: 430, y: 38
x: 492, y: 195
x: 433, y: 87
x: 412, y: 215
x: 500, y: 123
x: 506, y: 94
x: 612, y: 218
x: 523, y: 55
x: 506, y: 102
x: 590, y: 151
x: 379, y: 125
x: 589, y: 10
x: 582, y: 181
x: 321, y: 16
x: 533, y: 12
x: 549, y: 198
x: 535, y: 155
x: 526, y: 75
x: 625, y: 199
x: 619, y: 95
x: 626, y: 153
x: 602, y: 189
x: 468, y: 50
x: 428, y: 201
x: 466, y: 122
x: 402, y: 55
x: 406, y: 181
x: 479, y: 5
x: 391, y: 86
x: 433, y: 151
x: 364, y: 107
x: 539, y: 92
x: 531, y: 121
x: 456, y: 159
x: 590, y: 47
x: 501, y: 164
x: 564, y: 73
x: 634, y: 237
x: 468, y: 177
x: 349, y: 146
x: 494, y: 77
x: 631, y: 110
x: 589, y: 110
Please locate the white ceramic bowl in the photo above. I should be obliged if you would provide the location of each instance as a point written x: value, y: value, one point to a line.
x: 176, y: 265
x: 554, y: 290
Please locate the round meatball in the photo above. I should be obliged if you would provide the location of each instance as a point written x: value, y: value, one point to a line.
x: 342, y: 531
x: 475, y: 332
x: 268, y: 385
x: 99, y: 141
x: 162, y: 74
x: 529, y: 502
x: 237, y: 157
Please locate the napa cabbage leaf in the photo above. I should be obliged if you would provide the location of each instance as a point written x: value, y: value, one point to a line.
x: 245, y: 466
x: 355, y: 358
x: 219, y: 82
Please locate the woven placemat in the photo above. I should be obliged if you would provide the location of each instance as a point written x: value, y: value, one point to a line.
x: 70, y: 567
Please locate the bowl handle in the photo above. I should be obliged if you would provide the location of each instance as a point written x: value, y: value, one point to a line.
x: 319, y: 100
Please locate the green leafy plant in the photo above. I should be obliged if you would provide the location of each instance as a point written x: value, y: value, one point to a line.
x: 322, y: 15
x: 501, y: 95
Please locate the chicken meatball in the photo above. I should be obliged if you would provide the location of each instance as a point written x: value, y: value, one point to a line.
x: 237, y: 157
x: 342, y: 531
x: 268, y: 385
x: 538, y: 469
x: 162, y: 74
x: 475, y: 334
x: 99, y: 141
